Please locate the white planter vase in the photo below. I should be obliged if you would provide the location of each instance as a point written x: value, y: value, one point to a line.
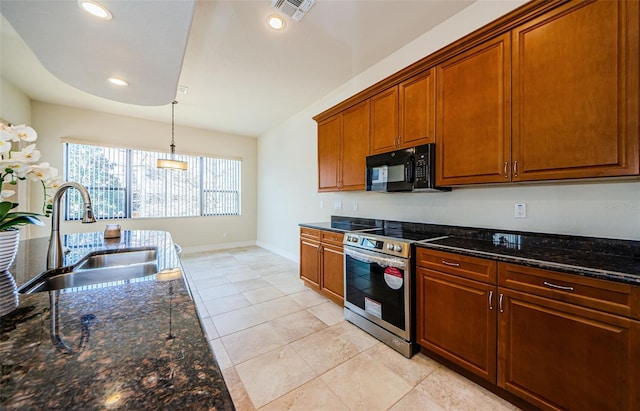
x: 8, y: 291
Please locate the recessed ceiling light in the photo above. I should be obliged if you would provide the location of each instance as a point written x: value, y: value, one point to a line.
x: 95, y: 9
x: 118, y: 81
x: 275, y: 22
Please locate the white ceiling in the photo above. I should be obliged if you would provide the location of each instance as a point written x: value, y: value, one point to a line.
x: 243, y: 78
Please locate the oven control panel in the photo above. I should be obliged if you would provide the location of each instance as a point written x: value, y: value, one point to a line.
x: 378, y: 243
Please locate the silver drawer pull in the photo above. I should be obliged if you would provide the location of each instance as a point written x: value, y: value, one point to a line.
x: 451, y: 264
x: 491, y: 300
x: 559, y: 287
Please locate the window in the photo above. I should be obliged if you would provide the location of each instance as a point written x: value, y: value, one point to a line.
x: 125, y: 183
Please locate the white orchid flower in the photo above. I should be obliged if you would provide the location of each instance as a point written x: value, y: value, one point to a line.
x: 5, y: 146
x: 54, y: 183
x: 5, y: 133
x: 42, y: 171
x: 29, y: 154
x: 20, y: 169
x: 6, y: 193
x: 24, y: 133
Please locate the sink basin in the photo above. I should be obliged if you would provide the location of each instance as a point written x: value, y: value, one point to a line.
x: 118, y: 258
x: 98, y: 267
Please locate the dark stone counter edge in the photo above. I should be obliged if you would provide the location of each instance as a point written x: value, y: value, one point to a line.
x: 565, y: 268
x: 345, y: 229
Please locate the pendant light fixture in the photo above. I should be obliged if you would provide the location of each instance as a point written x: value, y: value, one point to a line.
x: 172, y: 163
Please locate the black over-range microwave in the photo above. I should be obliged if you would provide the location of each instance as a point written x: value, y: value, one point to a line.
x: 410, y: 169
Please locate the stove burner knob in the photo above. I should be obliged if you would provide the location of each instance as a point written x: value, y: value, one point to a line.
x: 390, y: 247
x: 398, y: 247
x: 353, y: 239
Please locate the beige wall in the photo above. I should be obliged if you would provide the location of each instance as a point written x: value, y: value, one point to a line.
x: 15, y: 106
x: 54, y: 122
x: 287, y: 189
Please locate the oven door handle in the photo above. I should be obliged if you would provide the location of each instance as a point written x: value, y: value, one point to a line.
x: 376, y: 258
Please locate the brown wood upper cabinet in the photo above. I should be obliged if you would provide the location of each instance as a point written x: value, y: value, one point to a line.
x: 473, y: 126
x: 404, y: 115
x: 572, y: 74
x: 342, y: 149
x: 575, y: 92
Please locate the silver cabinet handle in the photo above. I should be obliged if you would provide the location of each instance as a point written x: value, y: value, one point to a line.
x: 491, y: 300
x: 515, y: 168
x: 450, y: 264
x: 506, y: 169
x: 500, y: 303
x: 559, y: 287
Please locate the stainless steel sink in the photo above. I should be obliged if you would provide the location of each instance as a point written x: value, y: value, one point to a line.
x: 115, y: 259
x: 98, y: 267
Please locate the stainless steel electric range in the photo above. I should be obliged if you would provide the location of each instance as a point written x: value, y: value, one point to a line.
x: 379, y: 292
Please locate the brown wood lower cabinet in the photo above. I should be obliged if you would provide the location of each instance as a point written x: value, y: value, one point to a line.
x: 562, y: 356
x: 322, y: 262
x: 310, y: 262
x: 457, y: 320
x: 558, y: 341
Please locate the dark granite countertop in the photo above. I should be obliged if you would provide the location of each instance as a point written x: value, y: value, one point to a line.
x: 133, y: 344
x: 596, y: 261
x: 603, y: 258
x: 345, y: 225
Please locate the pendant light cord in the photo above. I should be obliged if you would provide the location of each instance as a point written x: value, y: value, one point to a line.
x: 173, y: 144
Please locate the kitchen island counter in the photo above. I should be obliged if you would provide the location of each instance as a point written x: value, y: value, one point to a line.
x: 131, y: 344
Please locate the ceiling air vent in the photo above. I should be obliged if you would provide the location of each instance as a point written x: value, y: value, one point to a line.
x: 293, y: 8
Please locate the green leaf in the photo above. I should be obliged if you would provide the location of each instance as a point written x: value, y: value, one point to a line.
x: 5, y: 206
x: 20, y: 220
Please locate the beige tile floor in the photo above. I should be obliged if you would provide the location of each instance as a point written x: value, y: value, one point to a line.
x: 282, y: 346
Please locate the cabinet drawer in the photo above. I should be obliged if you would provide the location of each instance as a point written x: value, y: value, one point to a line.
x: 478, y: 269
x: 331, y: 237
x: 310, y: 233
x: 608, y: 296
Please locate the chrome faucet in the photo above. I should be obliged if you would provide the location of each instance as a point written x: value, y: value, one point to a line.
x: 54, y: 255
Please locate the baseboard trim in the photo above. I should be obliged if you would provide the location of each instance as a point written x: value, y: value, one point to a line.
x: 293, y: 257
x: 216, y: 247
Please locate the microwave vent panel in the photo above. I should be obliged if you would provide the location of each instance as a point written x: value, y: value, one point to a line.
x: 293, y: 8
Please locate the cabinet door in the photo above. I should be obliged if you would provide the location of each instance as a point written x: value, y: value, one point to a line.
x: 355, y: 140
x: 310, y: 262
x: 456, y: 318
x: 329, y: 138
x: 575, y: 92
x: 384, y: 121
x: 473, y: 128
x: 562, y: 356
x: 417, y: 100
x: 333, y: 273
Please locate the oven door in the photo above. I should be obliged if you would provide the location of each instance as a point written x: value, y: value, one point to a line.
x: 377, y: 287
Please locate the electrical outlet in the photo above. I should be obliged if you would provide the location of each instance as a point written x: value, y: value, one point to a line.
x: 337, y: 205
x: 520, y: 210
x: 355, y: 206
x: 321, y: 203
x: 224, y: 235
